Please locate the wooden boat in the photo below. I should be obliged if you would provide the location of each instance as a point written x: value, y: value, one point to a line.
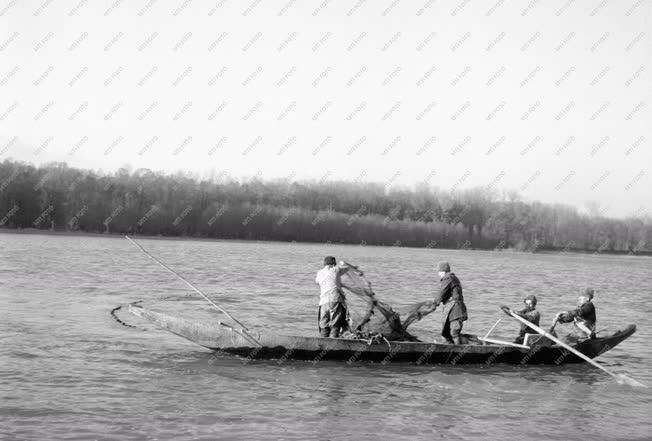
x: 255, y: 345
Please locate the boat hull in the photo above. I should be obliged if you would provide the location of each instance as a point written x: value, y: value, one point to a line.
x: 227, y: 340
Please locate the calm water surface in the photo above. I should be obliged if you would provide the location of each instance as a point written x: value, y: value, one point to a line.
x: 69, y: 371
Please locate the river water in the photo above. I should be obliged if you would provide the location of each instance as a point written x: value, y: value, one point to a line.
x: 68, y: 370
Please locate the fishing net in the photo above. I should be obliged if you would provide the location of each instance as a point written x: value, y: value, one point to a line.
x: 370, y: 316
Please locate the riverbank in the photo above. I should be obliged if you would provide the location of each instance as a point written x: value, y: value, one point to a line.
x: 61, y: 198
x: 36, y: 231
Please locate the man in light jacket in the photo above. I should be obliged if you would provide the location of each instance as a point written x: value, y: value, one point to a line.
x: 332, y: 308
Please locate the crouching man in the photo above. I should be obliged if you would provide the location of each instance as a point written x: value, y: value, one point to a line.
x: 529, y: 313
x: 332, y: 306
x: 583, y: 316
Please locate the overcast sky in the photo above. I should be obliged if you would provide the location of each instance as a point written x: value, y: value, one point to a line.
x: 551, y: 98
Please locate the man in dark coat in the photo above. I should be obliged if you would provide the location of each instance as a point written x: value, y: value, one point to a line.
x: 530, y: 314
x: 450, y: 295
x: 583, y: 316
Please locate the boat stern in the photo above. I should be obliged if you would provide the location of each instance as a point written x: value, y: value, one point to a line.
x: 598, y: 346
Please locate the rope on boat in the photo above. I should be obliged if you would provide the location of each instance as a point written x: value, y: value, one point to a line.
x: 367, y: 337
x: 117, y: 319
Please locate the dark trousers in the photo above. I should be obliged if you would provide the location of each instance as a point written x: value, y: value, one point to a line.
x: 452, y: 330
x: 332, y: 319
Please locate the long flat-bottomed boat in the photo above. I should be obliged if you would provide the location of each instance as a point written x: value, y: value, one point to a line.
x: 265, y: 345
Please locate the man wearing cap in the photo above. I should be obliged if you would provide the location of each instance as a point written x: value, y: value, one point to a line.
x: 450, y: 295
x: 583, y: 316
x: 530, y: 314
x: 332, y: 310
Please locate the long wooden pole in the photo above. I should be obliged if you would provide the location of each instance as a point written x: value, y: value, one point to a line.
x: 492, y: 328
x: 620, y: 378
x: 244, y: 328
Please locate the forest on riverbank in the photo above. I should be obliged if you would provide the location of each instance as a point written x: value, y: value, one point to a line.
x: 61, y: 198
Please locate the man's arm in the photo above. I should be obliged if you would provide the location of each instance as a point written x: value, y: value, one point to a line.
x: 522, y: 313
x: 568, y: 316
x: 421, y: 310
x: 344, y: 267
x: 443, y: 294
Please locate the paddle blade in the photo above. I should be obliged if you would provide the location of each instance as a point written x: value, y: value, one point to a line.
x: 624, y: 379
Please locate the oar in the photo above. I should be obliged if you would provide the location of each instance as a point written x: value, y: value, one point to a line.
x: 492, y: 328
x: 219, y: 308
x: 620, y: 378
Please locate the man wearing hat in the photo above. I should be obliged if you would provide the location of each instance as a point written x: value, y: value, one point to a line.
x: 530, y: 314
x: 450, y: 295
x: 583, y: 316
x: 332, y: 309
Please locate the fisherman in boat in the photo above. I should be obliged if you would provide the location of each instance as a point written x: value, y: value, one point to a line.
x: 583, y: 316
x: 450, y: 295
x: 530, y: 314
x: 332, y: 309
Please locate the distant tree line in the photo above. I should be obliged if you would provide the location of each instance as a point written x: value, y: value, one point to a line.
x: 61, y: 198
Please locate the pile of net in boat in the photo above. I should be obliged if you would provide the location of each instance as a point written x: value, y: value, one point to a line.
x: 370, y: 317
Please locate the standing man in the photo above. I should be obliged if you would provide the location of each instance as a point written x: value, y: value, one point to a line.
x: 450, y: 295
x: 583, y: 316
x: 332, y: 310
